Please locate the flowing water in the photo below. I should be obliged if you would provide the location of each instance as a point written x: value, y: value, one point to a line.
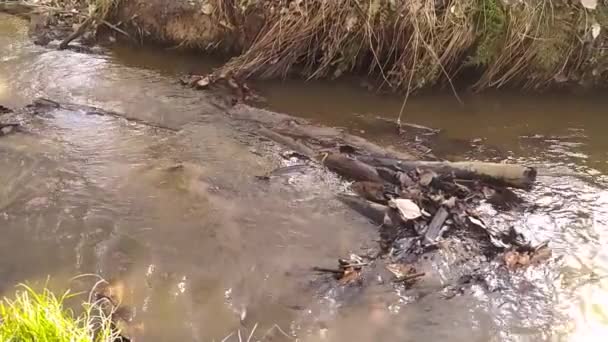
x: 207, y: 251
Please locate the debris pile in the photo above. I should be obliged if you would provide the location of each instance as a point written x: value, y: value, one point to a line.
x: 418, y: 203
x: 430, y: 199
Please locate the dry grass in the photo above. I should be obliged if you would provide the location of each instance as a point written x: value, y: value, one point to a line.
x: 404, y: 45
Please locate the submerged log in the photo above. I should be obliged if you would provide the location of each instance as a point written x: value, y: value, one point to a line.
x: 351, y: 168
x: 374, y: 211
x: 288, y: 142
x: 505, y: 174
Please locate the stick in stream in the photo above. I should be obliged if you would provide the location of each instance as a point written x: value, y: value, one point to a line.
x: 505, y: 174
x: 410, y: 277
x: 79, y: 32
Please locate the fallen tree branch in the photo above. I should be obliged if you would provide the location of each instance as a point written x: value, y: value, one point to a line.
x: 117, y: 29
x: 505, y: 174
x: 409, y: 277
x: 79, y: 32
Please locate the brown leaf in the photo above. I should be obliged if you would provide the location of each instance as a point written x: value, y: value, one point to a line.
x: 450, y: 203
x: 350, y: 276
x: 427, y: 178
x: 203, y: 82
x: 511, y: 258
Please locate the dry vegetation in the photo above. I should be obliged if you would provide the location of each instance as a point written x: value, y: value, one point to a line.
x: 404, y: 45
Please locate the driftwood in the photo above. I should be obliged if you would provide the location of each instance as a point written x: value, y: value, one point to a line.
x: 505, y: 174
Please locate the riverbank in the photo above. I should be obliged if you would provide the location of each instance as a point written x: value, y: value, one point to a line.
x: 396, y: 45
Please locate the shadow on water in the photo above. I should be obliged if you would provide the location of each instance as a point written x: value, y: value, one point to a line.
x: 207, y: 250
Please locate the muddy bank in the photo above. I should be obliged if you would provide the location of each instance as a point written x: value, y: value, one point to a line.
x: 399, y: 45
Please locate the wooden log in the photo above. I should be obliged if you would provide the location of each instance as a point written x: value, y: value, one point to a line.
x: 373, y: 211
x: 503, y: 174
x: 351, y: 168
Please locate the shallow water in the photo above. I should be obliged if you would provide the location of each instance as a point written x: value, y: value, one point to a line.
x: 206, y: 250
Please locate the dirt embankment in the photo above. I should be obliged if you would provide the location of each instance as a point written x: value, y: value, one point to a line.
x: 400, y: 45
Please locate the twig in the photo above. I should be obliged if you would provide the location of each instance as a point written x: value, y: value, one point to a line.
x: 227, y: 337
x: 410, y: 277
x: 327, y: 270
x: 117, y: 29
x: 252, y: 332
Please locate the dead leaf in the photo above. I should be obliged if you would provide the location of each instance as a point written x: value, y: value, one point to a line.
x: 427, y: 178
x: 589, y: 4
x: 511, y: 258
x: 450, y: 203
x: 408, y: 210
x: 595, y: 30
x: 400, y: 270
x: 488, y: 192
x: 477, y: 222
x: 207, y: 9
x: 203, y: 82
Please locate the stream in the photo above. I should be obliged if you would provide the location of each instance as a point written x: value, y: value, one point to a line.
x: 208, y: 252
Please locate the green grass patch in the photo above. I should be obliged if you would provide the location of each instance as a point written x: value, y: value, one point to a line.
x: 43, y: 317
